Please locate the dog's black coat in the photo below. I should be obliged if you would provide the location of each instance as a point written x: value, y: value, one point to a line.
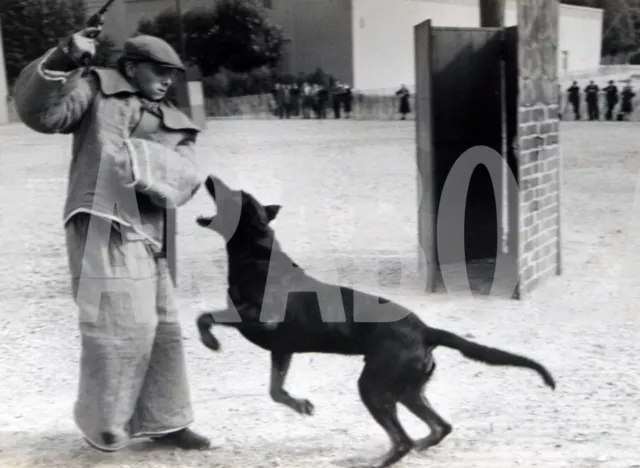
x: 397, y: 346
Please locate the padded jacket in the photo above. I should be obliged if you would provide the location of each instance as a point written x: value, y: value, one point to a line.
x: 117, y: 171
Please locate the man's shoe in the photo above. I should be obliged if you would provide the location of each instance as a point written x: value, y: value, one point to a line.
x: 185, y: 439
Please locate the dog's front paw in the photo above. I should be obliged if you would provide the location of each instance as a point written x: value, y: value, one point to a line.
x: 303, y: 406
x: 204, y: 323
x: 210, y: 341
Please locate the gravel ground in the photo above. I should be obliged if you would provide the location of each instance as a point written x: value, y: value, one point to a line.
x: 349, y: 195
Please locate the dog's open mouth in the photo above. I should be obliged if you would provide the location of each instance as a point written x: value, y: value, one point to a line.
x: 204, y: 221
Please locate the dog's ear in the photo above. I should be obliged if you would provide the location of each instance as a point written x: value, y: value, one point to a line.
x: 209, y: 183
x: 272, y: 211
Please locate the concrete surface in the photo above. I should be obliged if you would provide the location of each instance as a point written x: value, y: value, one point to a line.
x: 349, y: 196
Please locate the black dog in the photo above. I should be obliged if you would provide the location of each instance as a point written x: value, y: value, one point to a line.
x: 275, y: 305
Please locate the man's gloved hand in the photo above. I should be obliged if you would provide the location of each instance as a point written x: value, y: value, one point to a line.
x: 82, y: 45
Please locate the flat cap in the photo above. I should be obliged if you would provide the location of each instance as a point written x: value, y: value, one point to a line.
x: 152, y: 49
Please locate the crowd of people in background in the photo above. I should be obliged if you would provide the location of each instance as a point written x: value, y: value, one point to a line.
x: 312, y: 100
x: 315, y: 100
x: 618, y: 103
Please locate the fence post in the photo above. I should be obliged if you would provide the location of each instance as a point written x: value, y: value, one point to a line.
x: 190, y: 96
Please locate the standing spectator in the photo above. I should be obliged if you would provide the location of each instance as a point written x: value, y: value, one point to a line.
x: 336, y: 99
x: 315, y: 88
x: 278, y: 95
x: 286, y: 100
x: 348, y: 101
x: 591, y: 96
x: 626, y: 107
x: 611, y: 93
x: 405, y: 107
x: 323, y: 100
x: 307, y: 100
x: 274, y: 99
x: 294, y: 94
x: 574, y: 99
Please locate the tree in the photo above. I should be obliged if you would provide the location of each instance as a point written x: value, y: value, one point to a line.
x: 197, y: 26
x: 30, y: 28
x: 234, y: 34
x: 620, y: 29
x: 243, y: 38
x: 621, y: 23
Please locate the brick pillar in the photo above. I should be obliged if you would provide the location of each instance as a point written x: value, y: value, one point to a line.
x: 538, y: 144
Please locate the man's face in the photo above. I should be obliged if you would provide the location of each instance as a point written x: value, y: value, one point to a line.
x: 152, y: 79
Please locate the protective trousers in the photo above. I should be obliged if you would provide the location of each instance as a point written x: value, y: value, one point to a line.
x: 133, y: 379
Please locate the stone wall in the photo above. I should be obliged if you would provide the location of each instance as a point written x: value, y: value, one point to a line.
x: 539, y: 150
x: 365, y: 107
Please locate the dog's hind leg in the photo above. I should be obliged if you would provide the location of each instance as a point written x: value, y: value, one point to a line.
x: 378, y: 395
x: 418, y: 371
x: 415, y: 401
x: 279, y: 367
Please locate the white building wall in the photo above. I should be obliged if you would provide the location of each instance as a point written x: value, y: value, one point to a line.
x: 383, y: 49
x: 383, y: 54
x: 320, y: 36
x: 580, y: 37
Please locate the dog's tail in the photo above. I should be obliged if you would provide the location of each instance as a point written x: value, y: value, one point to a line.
x: 205, y: 322
x: 478, y: 352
